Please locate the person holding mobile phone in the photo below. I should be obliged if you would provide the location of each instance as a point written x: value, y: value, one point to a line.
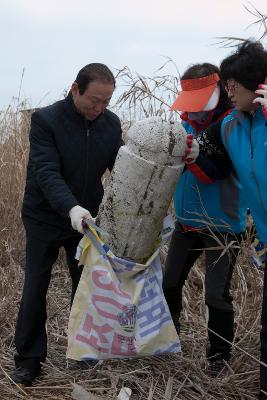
x: 262, y: 91
x: 242, y: 136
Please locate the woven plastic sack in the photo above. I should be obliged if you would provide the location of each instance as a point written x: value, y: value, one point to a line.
x: 119, y: 310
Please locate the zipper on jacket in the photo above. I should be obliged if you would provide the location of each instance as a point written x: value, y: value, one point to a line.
x: 251, y: 146
x: 252, y: 164
x: 86, y: 164
x: 185, y: 183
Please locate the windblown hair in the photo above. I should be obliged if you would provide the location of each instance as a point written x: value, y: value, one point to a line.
x: 248, y: 65
x: 200, y: 70
x: 93, y: 72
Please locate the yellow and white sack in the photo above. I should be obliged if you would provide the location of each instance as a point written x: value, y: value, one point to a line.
x: 119, y: 310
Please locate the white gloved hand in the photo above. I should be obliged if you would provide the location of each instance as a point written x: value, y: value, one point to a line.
x: 77, y: 214
x: 262, y: 100
x: 191, y: 150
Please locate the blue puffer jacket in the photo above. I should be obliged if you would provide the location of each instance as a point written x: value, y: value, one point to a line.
x: 220, y: 206
x: 245, y: 139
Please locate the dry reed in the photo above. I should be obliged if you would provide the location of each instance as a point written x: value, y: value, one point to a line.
x: 169, y: 377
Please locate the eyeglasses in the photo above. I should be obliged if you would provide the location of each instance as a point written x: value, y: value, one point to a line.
x: 232, y: 86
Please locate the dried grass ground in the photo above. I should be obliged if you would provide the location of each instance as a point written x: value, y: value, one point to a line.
x: 170, y: 377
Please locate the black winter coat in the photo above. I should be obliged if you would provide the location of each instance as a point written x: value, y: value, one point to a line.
x: 66, y: 162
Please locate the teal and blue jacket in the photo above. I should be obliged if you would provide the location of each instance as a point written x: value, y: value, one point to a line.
x: 218, y: 206
x: 243, y: 137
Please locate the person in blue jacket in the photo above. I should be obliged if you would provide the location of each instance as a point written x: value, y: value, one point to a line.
x: 242, y: 135
x: 209, y: 217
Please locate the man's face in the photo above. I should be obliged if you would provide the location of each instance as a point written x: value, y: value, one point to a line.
x: 94, y: 100
x: 240, y: 96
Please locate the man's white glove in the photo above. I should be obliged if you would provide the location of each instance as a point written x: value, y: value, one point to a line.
x: 262, y: 100
x: 191, y: 150
x: 77, y: 214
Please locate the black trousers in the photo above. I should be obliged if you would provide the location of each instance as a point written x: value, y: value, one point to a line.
x: 263, y: 370
x: 41, y: 254
x: 185, y: 248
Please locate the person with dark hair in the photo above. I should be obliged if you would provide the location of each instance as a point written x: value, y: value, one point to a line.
x: 209, y: 218
x: 243, y: 136
x: 72, y: 143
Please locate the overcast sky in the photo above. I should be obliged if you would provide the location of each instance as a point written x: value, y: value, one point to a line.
x: 52, y: 39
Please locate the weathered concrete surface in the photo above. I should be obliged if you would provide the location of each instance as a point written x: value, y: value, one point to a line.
x: 141, y: 187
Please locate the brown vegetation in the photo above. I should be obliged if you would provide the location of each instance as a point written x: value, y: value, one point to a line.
x: 170, y: 377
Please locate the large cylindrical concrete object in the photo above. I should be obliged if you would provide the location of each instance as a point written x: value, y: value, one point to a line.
x: 141, y: 187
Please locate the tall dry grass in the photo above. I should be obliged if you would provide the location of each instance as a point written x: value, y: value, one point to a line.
x: 259, y: 22
x: 171, y: 377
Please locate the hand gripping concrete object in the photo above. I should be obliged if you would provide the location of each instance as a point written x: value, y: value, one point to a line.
x: 141, y: 187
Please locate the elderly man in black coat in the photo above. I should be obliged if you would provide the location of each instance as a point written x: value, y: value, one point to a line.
x: 72, y: 143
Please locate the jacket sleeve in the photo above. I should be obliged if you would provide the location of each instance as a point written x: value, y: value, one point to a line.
x: 114, y: 156
x: 117, y: 148
x: 46, y: 162
x: 213, y: 161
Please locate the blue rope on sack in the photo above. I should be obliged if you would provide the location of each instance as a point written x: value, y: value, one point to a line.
x: 87, y: 225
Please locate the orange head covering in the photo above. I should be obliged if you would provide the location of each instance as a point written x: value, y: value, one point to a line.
x: 198, y: 94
